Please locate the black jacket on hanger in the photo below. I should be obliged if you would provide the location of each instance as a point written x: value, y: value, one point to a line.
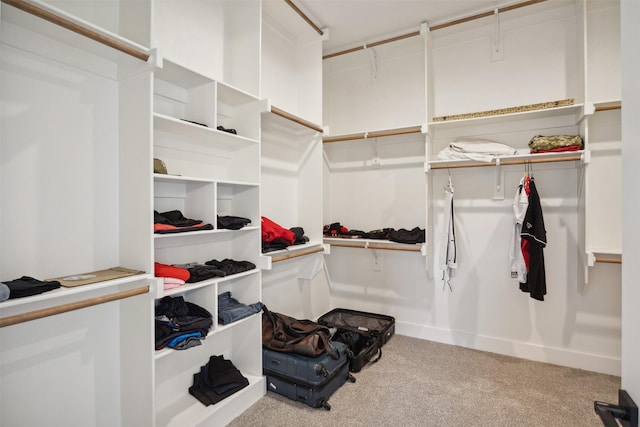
x: 534, y: 231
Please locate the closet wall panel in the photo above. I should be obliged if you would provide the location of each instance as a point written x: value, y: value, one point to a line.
x: 376, y: 88
x: 537, y: 61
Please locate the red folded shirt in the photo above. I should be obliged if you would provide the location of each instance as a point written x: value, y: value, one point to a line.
x: 164, y: 270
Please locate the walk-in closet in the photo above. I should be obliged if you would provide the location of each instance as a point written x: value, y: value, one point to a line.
x: 142, y: 139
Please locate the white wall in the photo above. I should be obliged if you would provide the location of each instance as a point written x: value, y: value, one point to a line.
x: 630, y: 14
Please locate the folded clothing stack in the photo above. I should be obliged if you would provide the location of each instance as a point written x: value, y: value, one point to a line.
x: 218, y: 379
x: 555, y: 143
x: 180, y: 324
x: 231, y: 310
x: 25, y: 286
x: 175, y: 222
x: 229, y: 222
x: 196, y: 272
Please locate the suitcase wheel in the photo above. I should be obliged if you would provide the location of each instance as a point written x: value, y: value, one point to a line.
x: 324, y: 404
x: 351, y: 378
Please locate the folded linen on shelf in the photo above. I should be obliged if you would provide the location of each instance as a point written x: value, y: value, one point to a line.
x: 477, y: 149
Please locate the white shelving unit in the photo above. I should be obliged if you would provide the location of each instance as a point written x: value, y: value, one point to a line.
x: 74, y: 139
x: 211, y: 173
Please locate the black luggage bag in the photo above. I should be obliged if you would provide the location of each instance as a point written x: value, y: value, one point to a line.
x: 364, y: 333
x: 311, y: 380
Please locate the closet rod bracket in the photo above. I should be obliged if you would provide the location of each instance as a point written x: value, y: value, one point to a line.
x: 497, y: 54
x: 498, y: 189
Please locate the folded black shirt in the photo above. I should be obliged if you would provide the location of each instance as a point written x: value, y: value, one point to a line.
x: 26, y: 286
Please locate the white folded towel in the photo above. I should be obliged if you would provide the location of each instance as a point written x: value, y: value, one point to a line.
x: 483, y: 150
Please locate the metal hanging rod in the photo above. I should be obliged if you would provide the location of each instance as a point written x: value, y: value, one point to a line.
x: 375, y: 134
x: 296, y: 119
x: 78, y: 28
x: 434, y: 28
x: 506, y: 162
x: 297, y: 254
x: 305, y: 17
x: 64, y: 308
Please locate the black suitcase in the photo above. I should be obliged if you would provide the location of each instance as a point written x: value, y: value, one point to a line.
x: 311, y: 380
x: 364, y: 333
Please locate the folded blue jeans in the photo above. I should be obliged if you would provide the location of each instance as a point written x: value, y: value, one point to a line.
x: 231, y: 310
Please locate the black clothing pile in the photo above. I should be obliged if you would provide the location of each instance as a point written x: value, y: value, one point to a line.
x: 175, y: 222
x: 402, y: 235
x: 214, y: 268
x: 229, y: 266
x: 229, y: 222
x: 180, y: 324
x: 218, y: 379
x: 275, y: 237
x: 26, y: 286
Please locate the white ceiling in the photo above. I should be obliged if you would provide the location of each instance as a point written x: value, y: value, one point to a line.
x: 352, y: 23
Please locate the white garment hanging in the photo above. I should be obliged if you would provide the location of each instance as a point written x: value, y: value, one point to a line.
x: 448, y: 242
x: 516, y: 259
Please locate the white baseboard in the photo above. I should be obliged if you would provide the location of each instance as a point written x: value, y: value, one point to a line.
x: 523, y: 350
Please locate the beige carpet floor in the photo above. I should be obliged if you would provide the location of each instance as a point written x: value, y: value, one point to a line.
x: 423, y: 383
